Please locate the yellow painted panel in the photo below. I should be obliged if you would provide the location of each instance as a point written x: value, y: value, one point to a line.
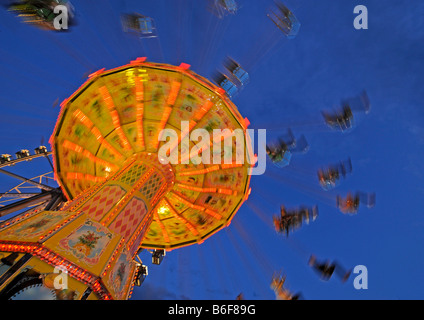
x: 86, y: 243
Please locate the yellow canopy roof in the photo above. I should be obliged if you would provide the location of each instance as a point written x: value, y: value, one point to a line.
x: 121, y: 112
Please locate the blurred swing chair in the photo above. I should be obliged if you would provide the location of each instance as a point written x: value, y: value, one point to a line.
x: 140, y: 25
x: 342, y: 119
x: 40, y: 13
x: 281, y: 153
x: 221, y: 8
x: 234, y: 79
x: 285, y: 20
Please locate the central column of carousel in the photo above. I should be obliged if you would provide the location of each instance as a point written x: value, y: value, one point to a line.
x: 93, y: 240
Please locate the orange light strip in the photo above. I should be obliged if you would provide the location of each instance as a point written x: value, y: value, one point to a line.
x: 162, y: 227
x: 210, y: 169
x: 107, y: 98
x: 83, y: 118
x: 197, y: 189
x: 189, y: 226
x: 197, y: 172
x: 139, y: 96
x: 139, y: 89
x: 139, y: 119
x: 214, y: 214
x: 175, y: 90
x: 197, y: 207
x: 165, y: 116
x: 172, y: 97
x: 74, y: 147
x: 121, y: 134
x: 188, y: 155
x: 231, y: 165
x: 203, y: 110
x: 188, y: 203
x: 227, y: 191
x: 19, y: 247
x: 111, y: 149
x: 83, y: 176
x: 207, y: 190
x: 96, y: 132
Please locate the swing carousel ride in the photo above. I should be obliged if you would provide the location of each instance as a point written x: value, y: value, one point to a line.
x: 116, y: 195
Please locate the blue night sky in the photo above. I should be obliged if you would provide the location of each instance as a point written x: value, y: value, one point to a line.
x: 292, y: 81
